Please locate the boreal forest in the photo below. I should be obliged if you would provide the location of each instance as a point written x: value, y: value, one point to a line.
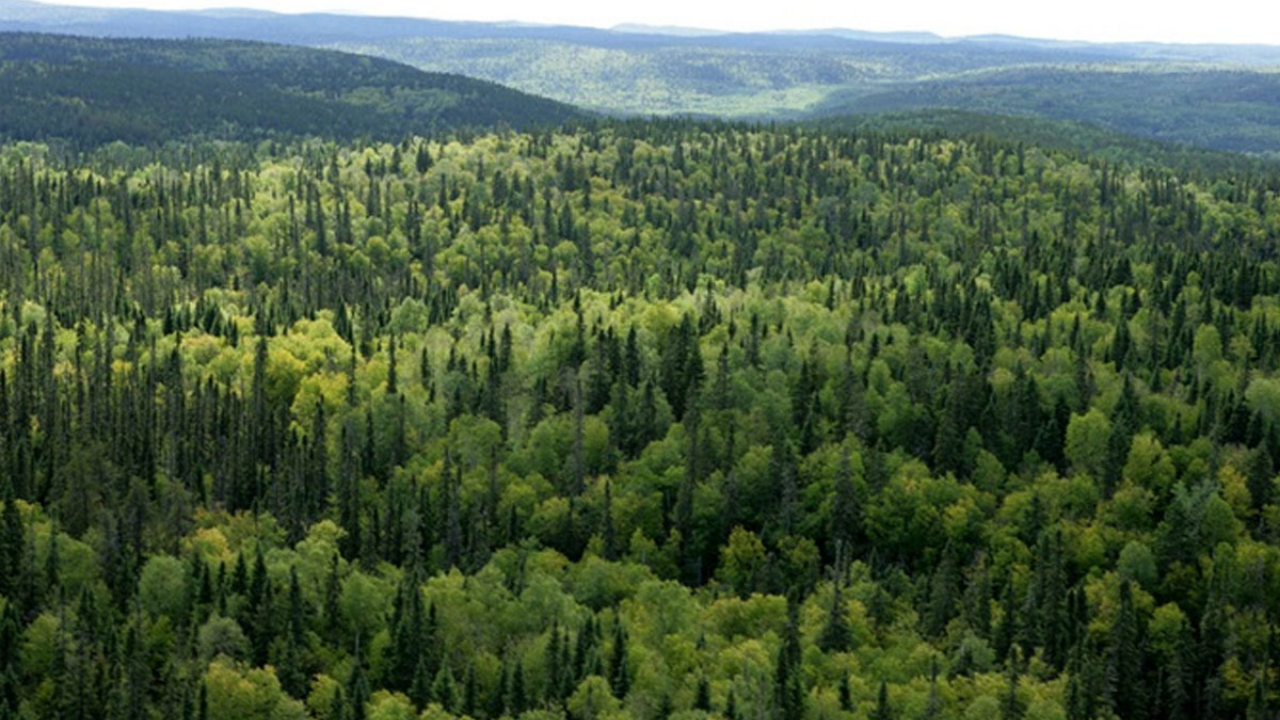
x: 603, y: 419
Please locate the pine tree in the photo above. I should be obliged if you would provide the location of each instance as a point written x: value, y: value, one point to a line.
x: 422, y: 161
x: 444, y: 690
x: 1258, y: 704
x: 407, y: 631
x: 619, y: 668
x: 349, y: 497
x: 788, y: 685
x: 519, y: 701
x: 783, y: 468
x: 292, y: 676
x: 933, y: 702
x: 357, y: 686
x: 332, y: 592
x: 12, y: 541
x: 10, y: 669
x: 845, y: 693
x: 338, y: 709
x: 883, y: 710
x: 1007, y: 631
x: 1125, y: 687
x: 260, y: 605
x: 836, y: 635
x: 844, y: 522
x: 470, y: 694
x: 1011, y: 705
x: 420, y: 689
x: 501, y: 693
x: 555, y: 668
x: 392, y: 375
x: 944, y: 593
x: 702, y: 697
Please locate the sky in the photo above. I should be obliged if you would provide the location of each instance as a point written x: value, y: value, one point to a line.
x: 1225, y: 21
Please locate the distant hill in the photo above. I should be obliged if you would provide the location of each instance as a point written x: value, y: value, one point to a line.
x: 1220, y: 108
x: 629, y: 70
x: 89, y: 91
x: 733, y: 75
x: 675, y: 30
x: 1083, y: 139
x: 1223, y: 97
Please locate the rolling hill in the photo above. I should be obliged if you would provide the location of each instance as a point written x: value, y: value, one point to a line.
x: 629, y: 70
x: 1222, y: 108
x: 90, y: 91
x: 1223, y: 97
x: 1081, y: 139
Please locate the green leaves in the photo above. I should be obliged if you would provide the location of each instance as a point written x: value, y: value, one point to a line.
x: 253, y: 693
x: 490, y: 476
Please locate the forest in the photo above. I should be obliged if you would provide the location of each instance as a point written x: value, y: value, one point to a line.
x: 637, y: 420
x: 1223, y: 108
x: 86, y: 92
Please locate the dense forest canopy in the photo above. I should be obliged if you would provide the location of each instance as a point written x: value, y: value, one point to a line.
x: 1081, y: 138
x: 1224, y: 108
x: 636, y: 420
x: 87, y: 91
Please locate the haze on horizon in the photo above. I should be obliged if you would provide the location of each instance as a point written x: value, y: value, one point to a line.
x: 1173, y: 21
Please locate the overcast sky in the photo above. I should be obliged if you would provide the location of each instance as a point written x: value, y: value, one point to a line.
x: 1233, y: 21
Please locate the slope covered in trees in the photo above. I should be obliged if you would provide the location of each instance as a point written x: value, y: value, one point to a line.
x: 1230, y: 109
x: 91, y: 91
x: 1212, y: 96
x: 782, y: 76
x: 1081, y: 138
x: 632, y: 421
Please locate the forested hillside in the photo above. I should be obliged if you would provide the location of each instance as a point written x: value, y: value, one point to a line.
x: 753, y: 76
x: 636, y: 421
x: 1221, y: 108
x: 1221, y: 97
x: 91, y: 91
x: 1079, y: 138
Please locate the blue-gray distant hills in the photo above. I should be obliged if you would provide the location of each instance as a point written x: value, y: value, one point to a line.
x: 1215, y: 96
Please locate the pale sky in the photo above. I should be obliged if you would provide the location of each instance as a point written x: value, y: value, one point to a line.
x: 1225, y: 21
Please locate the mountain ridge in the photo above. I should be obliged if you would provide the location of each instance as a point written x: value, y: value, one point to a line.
x: 95, y: 90
x: 782, y: 75
x: 51, y: 12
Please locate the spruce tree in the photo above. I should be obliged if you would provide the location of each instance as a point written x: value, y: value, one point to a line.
x: 836, y: 635
x: 883, y: 710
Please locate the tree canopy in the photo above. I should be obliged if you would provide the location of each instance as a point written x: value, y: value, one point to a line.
x: 635, y: 420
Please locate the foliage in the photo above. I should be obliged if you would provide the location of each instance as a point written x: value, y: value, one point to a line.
x: 636, y: 420
x: 1219, y: 108
x: 93, y: 91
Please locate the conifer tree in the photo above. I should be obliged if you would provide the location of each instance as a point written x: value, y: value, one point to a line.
x: 836, y: 634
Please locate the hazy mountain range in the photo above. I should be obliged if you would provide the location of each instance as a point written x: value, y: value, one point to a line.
x: 1216, y: 96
